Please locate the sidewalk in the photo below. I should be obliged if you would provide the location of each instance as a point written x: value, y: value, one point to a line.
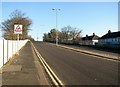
x: 91, y: 51
x: 22, y: 70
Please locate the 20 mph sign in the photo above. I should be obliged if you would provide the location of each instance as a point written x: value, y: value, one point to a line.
x: 17, y: 29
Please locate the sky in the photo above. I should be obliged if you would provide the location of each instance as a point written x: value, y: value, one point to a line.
x: 90, y: 17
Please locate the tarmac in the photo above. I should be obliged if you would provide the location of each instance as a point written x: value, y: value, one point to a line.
x: 23, y: 70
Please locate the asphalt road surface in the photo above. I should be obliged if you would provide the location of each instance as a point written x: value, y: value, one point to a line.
x: 74, y: 68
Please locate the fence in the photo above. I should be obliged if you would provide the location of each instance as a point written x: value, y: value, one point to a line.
x: 8, y: 48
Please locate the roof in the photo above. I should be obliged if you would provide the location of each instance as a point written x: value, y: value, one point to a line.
x: 93, y: 37
x: 111, y: 35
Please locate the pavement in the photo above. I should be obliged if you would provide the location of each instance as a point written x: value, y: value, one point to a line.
x: 23, y: 69
x: 92, y: 51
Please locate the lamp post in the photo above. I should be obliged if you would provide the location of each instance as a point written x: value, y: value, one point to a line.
x: 37, y: 35
x: 56, y: 10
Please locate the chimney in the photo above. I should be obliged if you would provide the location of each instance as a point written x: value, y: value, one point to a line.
x: 93, y: 34
x: 109, y: 31
x: 86, y: 35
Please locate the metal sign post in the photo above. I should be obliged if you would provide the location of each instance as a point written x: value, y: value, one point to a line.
x: 18, y: 30
x: 18, y: 44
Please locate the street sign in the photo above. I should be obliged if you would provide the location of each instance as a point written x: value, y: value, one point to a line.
x: 17, y: 29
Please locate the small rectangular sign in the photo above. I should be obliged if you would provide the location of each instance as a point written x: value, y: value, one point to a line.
x: 17, y: 29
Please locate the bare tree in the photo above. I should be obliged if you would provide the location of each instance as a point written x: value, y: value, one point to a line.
x: 17, y: 14
x: 65, y: 33
x: 16, y: 17
x: 47, y: 37
x: 75, y: 35
x: 70, y: 33
x: 53, y: 35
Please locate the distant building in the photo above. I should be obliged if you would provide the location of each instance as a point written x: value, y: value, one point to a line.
x: 89, y: 40
x: 111, y: 39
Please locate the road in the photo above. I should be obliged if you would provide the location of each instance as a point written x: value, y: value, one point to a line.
x: 75, y: 68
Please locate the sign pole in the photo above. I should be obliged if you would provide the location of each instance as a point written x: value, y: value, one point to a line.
x: 18, y: 30
x: 18, y: 43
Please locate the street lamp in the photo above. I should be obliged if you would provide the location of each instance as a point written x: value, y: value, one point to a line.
x: 37, y: 35
x: 56, y: 24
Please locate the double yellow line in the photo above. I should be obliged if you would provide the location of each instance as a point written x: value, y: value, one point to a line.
x: 53, y: 76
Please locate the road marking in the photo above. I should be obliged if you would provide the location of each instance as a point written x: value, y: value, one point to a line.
x: 50, y: 72
x: 40, y: 71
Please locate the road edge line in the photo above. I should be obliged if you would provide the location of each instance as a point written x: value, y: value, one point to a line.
x: 50, y: 72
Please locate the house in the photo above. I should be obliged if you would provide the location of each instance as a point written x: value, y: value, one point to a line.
x: 89, y: 40
x: 111, y: 39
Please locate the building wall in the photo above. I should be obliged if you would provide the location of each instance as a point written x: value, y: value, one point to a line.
x: 88, y: 42
x: 109, y: 41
